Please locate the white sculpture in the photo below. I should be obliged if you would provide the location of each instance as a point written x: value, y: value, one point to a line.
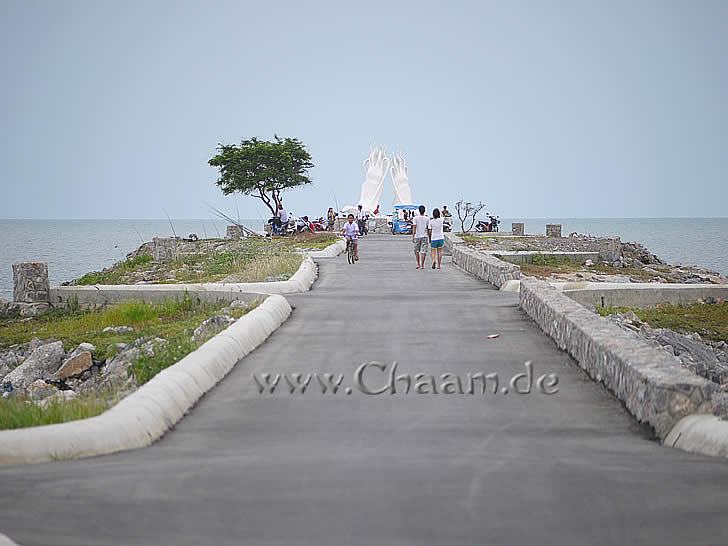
x: 375, y: 169
x: 402, y: 190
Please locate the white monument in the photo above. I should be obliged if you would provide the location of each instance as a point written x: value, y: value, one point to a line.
x: 376, y: 167
x: 402, y: 190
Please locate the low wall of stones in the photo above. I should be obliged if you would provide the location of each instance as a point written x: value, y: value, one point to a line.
x: 484, y: 266
x: 450, y: 241
x: 652, y: 387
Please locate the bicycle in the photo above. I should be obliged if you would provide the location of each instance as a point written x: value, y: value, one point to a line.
x: 350, y: 251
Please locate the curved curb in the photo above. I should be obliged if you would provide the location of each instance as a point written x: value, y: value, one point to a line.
x: 301, y: 281
x: 5, y: 540
x: 705, y: 434
x: 330, y: 251
x: 147, y: 414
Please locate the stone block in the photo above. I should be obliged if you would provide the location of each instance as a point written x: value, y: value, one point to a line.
x: 518, y: 228
x: 553, y: 230
x: 30, y: 282
x: 164, y: 249
x: 234, y: 232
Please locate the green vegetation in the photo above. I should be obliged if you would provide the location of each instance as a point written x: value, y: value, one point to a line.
x: 171, y: 320
x: 249, y: 260
x: 262, y: 169
x: 545, y: 265
x: 115, y: 274
x: 709, y: 320
x: 16, y: 412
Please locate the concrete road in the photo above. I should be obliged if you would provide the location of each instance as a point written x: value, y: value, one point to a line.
x: 245, y: 468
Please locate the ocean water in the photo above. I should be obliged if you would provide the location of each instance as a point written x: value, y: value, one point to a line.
x: 74, y: 247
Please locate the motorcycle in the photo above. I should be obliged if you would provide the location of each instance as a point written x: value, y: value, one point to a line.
x: 488, y: 227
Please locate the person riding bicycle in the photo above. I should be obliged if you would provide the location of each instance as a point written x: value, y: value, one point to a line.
x: 351, y: 233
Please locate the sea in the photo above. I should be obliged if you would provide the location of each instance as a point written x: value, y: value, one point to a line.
x: 74, y: 247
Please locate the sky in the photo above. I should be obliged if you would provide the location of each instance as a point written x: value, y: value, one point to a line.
x: 538, y: 108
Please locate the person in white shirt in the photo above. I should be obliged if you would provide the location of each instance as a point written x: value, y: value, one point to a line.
x: 437, y: 238
x: 351, y: 233
x: 361, y: 220
x: 419, y: 236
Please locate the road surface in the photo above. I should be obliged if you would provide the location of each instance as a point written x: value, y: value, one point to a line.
x: 244, y: 468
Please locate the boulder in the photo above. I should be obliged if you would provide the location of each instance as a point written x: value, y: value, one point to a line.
x: 118, y: 330
x: 8, y: 361
x: 39, y: 390
x: 42, y: 362
x: 211, y: 327
x: 58, y: 396
x: 78, y: 363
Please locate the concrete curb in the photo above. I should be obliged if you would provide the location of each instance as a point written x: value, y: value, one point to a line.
x: 330, y: 251
x: 6, y: 541
x: 147, y: 414
x: 652, y: 386
x: 706, y: 434
x: 301, y: 281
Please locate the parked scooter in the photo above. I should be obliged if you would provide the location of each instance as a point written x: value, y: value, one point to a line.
x: 488, y: 227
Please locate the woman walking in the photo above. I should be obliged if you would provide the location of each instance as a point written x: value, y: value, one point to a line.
x: 437, y: 238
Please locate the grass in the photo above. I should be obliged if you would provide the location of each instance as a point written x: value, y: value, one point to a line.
x: 16, y: 412
x: 115, y: 274
x: 170, y: 319
x: 252, y: 260
x: 544, y: 265
x: 709, y: 320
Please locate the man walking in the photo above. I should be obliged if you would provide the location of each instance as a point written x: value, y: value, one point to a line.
x: 361, y: 220
x: 420, y: 237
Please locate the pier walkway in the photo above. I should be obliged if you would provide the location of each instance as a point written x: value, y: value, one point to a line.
x: 319, y: 469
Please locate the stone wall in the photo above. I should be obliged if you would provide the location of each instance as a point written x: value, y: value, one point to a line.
x: 553, y: 230
x: 164, y: 249
x: 450, y: 241
x: 234, y: 232
x: 654, y: 389
x: 518, y: 229
x: 30, y: 282
x: 484, y: 266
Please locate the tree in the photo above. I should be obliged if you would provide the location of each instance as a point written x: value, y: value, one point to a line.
x: 263, y: 169
x: 467, y: 212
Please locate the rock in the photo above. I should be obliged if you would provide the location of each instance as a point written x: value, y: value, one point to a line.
x: 638, y: 264
x: 8, y: 361
x: 42, y: 362
x: 78, y: 363
x: 589, y: 263
x: 4, y: 304
x: 27, y: 309
x: 39, y: 389
x: 238, y: 304
x: 150, y: 347
x: 57, y: 397
x: 118, y: 330
x: 720, y: 404
x: 630, y: 316
x: 211, y: 326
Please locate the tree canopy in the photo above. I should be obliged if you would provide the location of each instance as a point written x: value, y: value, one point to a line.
x: 261, y: 168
